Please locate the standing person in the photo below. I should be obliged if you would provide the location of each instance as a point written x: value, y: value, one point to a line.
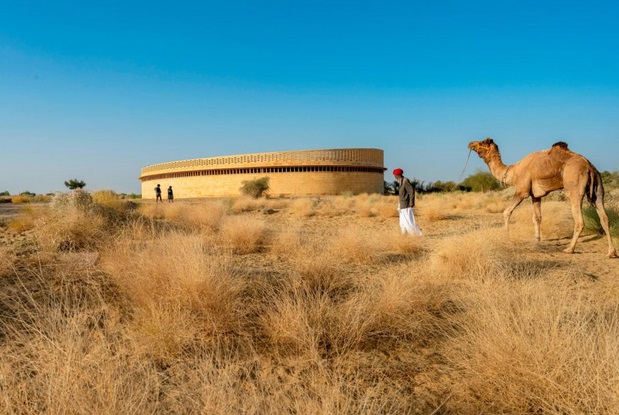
x: 406, y: 207
x: 158, y: 194
x: 170, y: 195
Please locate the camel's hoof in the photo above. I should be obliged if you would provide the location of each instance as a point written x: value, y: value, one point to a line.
x: 613, y: 254
x: 568, y: 251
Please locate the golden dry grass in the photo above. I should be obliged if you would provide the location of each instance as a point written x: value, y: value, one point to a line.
x: 305, y: 306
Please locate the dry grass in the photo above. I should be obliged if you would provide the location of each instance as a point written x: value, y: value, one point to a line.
x: 243, y: 235
x: 21, y: 223
x: 547, y: 345
x: 304, y: 306
x: 7, y: 259
x: 182, y: 293
x: 303, y: 207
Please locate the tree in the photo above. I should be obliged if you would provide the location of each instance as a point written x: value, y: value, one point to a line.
x: 390, y: 188
x: 75, y: 184
x: 255, y: 188
x: 481, y: 182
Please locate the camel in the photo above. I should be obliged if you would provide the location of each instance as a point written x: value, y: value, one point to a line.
x: 545, y: 171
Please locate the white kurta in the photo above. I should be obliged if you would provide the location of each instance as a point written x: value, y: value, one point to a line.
x: 407, y: 222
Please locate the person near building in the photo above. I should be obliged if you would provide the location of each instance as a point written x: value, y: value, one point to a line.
x: 406, y: 206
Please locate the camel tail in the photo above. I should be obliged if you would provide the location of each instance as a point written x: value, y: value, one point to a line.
x: 595, y: 186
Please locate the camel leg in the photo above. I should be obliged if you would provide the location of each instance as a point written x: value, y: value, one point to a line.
x: 537, y: 216
x: 576, y: 203
x: 599, y: 207
x: 507, y: 213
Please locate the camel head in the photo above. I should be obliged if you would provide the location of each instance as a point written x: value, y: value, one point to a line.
x: 484, y: 148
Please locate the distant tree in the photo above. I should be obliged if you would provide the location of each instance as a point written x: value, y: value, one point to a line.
x: 395, y: 186
x: 75, y: 184
x: 27, y: 193
x: 481, y: 182
x: 255, y: 188
x: 439, y: 186
x: 417, y: 185
x: 5, y: 193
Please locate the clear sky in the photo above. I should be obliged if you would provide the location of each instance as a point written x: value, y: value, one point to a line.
x: 97, y: 91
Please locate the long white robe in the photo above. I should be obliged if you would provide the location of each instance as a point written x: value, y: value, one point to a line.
x: 407, y: 222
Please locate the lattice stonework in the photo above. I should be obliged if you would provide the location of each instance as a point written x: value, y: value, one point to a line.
x: 291, y: 173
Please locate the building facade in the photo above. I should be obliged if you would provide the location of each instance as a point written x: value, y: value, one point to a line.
x: 290, y: 173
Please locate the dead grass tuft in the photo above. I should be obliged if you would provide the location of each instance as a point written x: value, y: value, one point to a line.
x: 354, y: 245
x: 303, y: 207
x: 287, y: 243
x: 75, y: 230
x: 180, y: 293
x: 433, y: 208
x: 243, y: 235
x: 247, y: 204
x: 477, y: 254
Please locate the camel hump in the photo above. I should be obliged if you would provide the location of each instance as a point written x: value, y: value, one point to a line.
x: 560, y: 144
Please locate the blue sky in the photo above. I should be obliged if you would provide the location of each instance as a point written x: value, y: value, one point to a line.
x: 96, y: 92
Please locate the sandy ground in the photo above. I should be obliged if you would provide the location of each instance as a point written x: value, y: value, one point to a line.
x: 8, y: 210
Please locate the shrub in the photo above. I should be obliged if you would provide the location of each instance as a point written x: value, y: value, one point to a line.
x: 243, y: 235
x: 592, y: 220
x: 481, y: 182
x: 255, y: 188
x: 77, y: 199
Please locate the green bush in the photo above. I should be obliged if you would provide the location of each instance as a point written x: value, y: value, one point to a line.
x: 592, y: 220
x: 481, y: 182
x: 255, y: 188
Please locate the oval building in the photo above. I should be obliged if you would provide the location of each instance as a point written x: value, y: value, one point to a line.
x: 290, y: 173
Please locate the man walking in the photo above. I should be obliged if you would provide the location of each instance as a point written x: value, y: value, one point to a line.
x: 406, y: 207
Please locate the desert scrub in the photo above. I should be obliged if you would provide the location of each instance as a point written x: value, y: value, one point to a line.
x: 303, y: 207
x: 243, y: 235
x: 477, y: 255
x: 535, y: 346
x: 255, y: 188
x: 75, y: 200
x: 181, y: 293
x: 72, y: 225
x: 592, y: 220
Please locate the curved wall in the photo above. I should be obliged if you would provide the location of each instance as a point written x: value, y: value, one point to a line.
x: 308, y: 172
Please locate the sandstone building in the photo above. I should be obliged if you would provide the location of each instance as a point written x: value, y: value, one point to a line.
x: 291, y: 173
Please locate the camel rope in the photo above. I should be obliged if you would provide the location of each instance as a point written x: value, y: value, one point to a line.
x: 463, y: 170
x: 505, y: 176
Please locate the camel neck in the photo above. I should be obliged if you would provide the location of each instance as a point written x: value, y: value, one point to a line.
x: 498, y: 169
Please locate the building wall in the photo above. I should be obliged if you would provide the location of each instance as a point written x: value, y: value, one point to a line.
x: 310, y: 172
